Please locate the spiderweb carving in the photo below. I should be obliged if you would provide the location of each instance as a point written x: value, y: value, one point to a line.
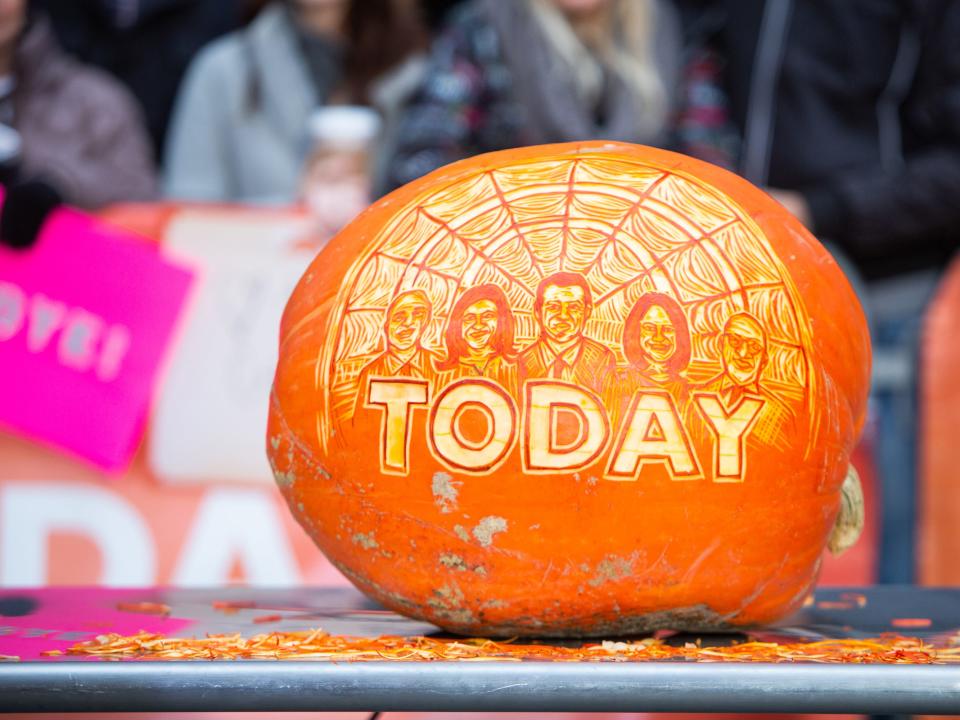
x: 628, y: 227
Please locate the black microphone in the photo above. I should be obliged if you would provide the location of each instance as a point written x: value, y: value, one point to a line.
x: 26, y: 208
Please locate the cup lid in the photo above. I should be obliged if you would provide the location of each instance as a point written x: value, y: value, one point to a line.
x: 353, y: 124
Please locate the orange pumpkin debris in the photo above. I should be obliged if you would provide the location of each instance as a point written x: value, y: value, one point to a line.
x: 319, y: 645
x: 911, y: 622
x: 147, y: 608
x: 267, y: 619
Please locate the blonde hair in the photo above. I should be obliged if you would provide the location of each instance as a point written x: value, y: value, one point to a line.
x: 622, y: 38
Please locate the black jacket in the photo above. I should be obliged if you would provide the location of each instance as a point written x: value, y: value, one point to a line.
x: 855, y: 103
x: 149, y: 53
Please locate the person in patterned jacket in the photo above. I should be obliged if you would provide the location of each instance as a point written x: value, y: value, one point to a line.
x: 507, y: 74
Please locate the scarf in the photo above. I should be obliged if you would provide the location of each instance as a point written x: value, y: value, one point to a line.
x: 322, y: 57
x: 567, y: 92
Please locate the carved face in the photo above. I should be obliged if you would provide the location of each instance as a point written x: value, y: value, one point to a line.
x: 406, y: 324
x: 479, y: 324
x: 658, y: 336
x: 744, y: 351
x: 564, y: 312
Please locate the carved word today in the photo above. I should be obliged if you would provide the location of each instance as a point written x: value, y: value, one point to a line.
x: 560, y: 427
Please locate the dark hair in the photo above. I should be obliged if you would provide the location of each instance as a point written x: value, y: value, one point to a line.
x: 562, y: 279
x: 249, y: 9
x: 502, y: 340
x: 379, y: 34
x: 631, y: 332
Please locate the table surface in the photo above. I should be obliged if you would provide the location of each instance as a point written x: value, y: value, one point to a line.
x: 32, y: 621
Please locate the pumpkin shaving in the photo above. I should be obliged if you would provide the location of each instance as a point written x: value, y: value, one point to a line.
x: 319, y: 645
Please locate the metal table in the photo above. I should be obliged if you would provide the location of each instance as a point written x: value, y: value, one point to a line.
x: 36, y: 620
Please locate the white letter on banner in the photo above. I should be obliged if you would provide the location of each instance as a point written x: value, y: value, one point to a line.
x: 31, y: 511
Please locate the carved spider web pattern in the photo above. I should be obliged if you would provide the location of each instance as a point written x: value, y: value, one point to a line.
x: 628, y: 227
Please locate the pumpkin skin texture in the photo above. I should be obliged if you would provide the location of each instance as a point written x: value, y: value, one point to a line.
x: 572, y: 390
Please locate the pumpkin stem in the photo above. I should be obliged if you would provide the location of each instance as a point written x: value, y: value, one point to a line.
x: 849, y: 524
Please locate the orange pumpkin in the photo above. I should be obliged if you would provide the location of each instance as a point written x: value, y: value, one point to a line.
x: 572, y: 389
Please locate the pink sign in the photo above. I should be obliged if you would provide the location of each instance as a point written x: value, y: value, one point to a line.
x: 59, y: 618
x: 86, y: 316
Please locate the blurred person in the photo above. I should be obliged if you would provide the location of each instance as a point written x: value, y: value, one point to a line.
x: 240, y: 130
x: 850, y: 114
x: 506, y: 74
x: 79, y: 130
x: 146, y: 44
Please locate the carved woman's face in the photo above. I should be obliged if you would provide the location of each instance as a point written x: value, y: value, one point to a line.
x: 479, y: 324
x: 658, y: 336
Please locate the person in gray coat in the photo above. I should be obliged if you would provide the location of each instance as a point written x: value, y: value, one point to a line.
x: 70, y: 126
x: 240, y: 126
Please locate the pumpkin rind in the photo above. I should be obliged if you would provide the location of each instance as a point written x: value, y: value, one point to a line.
x: 479, y: 516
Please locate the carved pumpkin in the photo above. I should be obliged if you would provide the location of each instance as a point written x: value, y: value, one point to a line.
x: 569, y: 390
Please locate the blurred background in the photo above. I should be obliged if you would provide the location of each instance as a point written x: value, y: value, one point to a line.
x: 238, y: 137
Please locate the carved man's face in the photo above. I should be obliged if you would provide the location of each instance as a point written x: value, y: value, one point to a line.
x: 407, y: 321
x: 658, y: 336
x: 744, y: 351
x: 564, y: 312
x: 479, y: 324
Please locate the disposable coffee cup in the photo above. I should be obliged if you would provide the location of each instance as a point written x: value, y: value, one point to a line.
x: 336, y: 183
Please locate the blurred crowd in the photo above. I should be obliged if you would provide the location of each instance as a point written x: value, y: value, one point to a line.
x: 847, y: 112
